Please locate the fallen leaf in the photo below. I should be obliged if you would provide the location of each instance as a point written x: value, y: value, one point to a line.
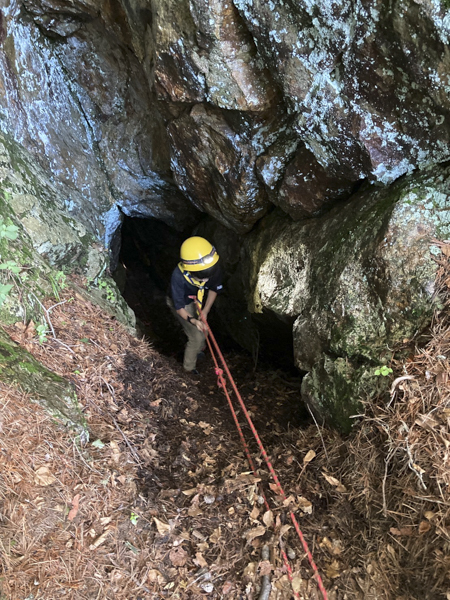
x: 335, y: 546
x: 289, y: 500
x: 178, y: 556
x: 268, y: 518
x: 304, y: 505
x: 335, y: 482
x: 163, y: 528
x: 199, y: 560
x: 30, y: 330
x: 99, y: 541
x: 215, y: 536
x: 309, y: 456
x: 20, y: 325
x: 250, y: 571
x: 115, y: 451
x: 204, y: 425
x: 297, y: 583
x: 402, y: 531
x: 43, y: 476
x: 155, y: 576
x: 190, y: 492
x: 284, y: 529
x: 428, y: 514
x: 74, y: 510
x: 275, y: 488
x: 265, y: 567
x: 251, y: 534
x: 194, y: 511
x: 424, y: 526
x: 333, y: 570
x: 255, y: 513
x: 227, y: 587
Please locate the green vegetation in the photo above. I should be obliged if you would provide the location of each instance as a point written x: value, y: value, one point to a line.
x: 11, y: 232
x: 58, y: 282
x: 103, y: 285
x: 384, y: 371
x: 42, y: 331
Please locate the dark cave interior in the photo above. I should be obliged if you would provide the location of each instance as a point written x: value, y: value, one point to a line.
x: 149, y: 253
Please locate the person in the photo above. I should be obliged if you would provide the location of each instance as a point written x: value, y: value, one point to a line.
x: 197, y: 272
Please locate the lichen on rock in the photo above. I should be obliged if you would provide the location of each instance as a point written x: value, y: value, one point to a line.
x: 359, y: 281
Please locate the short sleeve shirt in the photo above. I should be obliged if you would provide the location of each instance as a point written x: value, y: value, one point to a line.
x: 181, y: 289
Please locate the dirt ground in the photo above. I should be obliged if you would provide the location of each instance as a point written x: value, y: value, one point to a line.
x: 161, y: 503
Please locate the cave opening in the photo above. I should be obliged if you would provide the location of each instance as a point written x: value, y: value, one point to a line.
x: 149, y: 251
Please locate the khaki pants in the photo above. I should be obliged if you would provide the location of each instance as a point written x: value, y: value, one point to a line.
x: 196, y: 338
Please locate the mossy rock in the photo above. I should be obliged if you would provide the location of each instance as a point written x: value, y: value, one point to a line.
x: 334, y: 388
x: 57, y: 395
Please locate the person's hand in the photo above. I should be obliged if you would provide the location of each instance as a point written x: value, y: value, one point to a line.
x: 201, y: 326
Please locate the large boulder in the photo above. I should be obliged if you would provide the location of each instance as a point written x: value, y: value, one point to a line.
x: 76, y: 97
x: 367, y: 79
x: 47, y: 244
x: 213, y: 162
x: 358, y: 281
x: 204, y: 52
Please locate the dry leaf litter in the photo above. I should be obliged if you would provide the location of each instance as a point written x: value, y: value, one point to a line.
x: 160, y: 502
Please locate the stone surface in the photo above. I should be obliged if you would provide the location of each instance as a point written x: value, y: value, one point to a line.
x: 214, y: 166
x: 257, y: 113
x: 56, y: 394
x: 204, y: 52
x: 47, y: 246
x: 358, y: 280
x: 37, y: 204
x: 307, y: 188
x: 83, y: 107
x: 61, y: 17
x: 49, y: 241
x: 367, y: 80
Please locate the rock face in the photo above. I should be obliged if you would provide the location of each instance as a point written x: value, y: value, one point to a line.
x: 81, y: 104
x: 268, y: 116
x: 366, y: 79
x: 39, y: 246
x: 48, y: 244
x: 358, y: 281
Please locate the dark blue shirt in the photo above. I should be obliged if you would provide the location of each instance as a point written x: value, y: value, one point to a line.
x: 181, y: 289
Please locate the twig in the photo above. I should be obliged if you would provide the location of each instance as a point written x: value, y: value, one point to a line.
x: 80, y: 455
x: 266, y: 585
x: 50, y: 322
x: 394, y: 387
x: 387, y: 460
x: 132, y: 450
x: 320, y: 433
x: 134, y: 580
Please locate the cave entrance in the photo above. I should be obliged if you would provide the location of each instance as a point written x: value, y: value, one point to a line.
x: 149, y: 253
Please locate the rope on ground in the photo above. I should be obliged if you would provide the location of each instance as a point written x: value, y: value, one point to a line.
x: 222, y: 383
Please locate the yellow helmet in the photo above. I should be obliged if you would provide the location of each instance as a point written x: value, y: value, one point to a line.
x: 197, y: 254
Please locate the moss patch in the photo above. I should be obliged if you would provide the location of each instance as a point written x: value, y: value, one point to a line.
x: 19, y: 368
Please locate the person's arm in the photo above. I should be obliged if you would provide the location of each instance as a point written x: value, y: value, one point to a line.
x: 209, y: 302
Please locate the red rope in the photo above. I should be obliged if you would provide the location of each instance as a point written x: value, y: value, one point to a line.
x: 223, y: 384
x: 262, y: 449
